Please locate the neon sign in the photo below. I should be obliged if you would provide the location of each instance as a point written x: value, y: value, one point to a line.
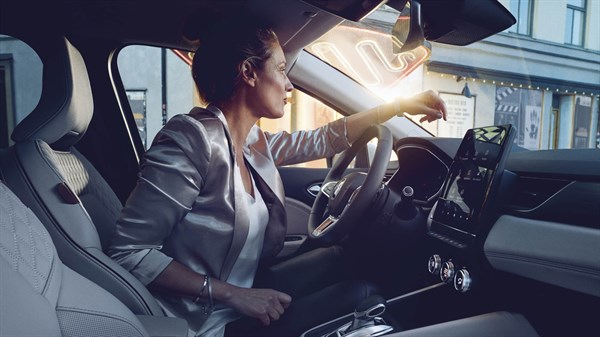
x: 367, y: 57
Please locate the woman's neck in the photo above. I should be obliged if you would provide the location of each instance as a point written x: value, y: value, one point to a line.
x: 239, y: 121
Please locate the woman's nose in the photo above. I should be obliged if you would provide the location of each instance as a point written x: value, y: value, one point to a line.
x: 288, y: 85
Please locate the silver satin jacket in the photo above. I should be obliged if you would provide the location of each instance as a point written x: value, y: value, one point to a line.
x: 187, y: 204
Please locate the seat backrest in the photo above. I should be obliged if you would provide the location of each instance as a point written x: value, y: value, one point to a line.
x: 42, y: 297
x: 61, y: 186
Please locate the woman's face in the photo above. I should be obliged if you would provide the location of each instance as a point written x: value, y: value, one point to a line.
x: 272, y: 85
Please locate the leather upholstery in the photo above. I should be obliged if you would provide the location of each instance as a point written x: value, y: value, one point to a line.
x: 81, y: 214
x: 41, y: 296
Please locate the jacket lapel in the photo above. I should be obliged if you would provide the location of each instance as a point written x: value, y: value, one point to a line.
x: 259, y: 157
x: 242, y: 222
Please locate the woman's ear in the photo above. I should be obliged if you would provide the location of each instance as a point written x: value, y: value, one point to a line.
x: 248, y: 73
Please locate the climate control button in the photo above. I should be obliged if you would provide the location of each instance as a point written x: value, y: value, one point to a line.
x: 462, y: 281
x: 434, y: 264
x: 447, y: 272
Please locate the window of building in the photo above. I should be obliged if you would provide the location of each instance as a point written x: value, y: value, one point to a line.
x: 582, y: 121
x: 137, y: 102
x: 575, y: 24
x: 522, y: 10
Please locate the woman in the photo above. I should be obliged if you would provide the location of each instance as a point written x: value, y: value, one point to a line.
x: 209, y: 203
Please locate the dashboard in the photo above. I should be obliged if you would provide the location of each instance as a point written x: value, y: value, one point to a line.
x: 539, y: 233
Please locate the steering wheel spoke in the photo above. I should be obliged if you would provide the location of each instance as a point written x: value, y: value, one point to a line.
x: 325, y: 226
x: 343, y: 200
x: 328, y: 188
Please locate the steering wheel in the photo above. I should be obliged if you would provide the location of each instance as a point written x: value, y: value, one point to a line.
x: 341, y: 202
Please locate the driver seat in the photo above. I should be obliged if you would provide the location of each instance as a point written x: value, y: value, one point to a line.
x: 64, y: 190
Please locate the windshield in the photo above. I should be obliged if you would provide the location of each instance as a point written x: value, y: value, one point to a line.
x: 542, y: 75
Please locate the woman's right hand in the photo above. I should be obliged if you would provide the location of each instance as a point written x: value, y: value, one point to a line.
x: 266, y: 305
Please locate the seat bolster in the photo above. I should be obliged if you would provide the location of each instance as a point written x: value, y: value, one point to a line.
x: 84, y: 309
x: 128, y: 296
x: 21, y: 305
x: 164, y: 326
x: 41, y: 171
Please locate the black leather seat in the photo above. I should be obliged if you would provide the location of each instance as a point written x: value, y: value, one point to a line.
x: 60, y: 185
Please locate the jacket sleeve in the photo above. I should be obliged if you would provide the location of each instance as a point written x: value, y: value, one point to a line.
x: 170, y: 180
x: 302, y: 146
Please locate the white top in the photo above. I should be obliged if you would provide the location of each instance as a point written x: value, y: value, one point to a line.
x: 244, y: 269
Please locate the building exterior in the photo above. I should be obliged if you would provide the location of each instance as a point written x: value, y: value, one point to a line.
x: 556, y: 104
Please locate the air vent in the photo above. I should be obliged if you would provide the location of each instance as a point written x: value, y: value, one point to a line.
x: 529, y: 192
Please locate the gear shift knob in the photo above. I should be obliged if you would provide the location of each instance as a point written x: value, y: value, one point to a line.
x: 406, y: 209
x: 370, y: 307
x: 366, y: 322
x: 367, y: 310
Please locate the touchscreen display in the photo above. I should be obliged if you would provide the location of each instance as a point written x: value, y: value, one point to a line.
x: 470, y: 178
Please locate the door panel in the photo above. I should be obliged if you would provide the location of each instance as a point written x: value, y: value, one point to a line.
x: 296, y: 182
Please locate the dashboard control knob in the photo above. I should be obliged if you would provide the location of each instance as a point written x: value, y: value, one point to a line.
x: 462, y: 281
x: 447, y: 272
x: 434, y: 264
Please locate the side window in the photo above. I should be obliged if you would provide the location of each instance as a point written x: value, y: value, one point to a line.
x: 303, y: 113
x: 20, y: 84
x: 159, y: 86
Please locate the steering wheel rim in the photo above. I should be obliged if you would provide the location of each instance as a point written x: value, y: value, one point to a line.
x: 335, y: 226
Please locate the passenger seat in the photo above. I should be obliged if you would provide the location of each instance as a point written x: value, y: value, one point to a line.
x: 64, y: 190
x: 42, y: 297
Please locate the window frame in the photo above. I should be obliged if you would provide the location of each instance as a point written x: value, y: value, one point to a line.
x: 528, y: 25
x: 571, y: 10
x: 8, y: 116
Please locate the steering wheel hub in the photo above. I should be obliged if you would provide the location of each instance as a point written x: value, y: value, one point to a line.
x: 343, y: 190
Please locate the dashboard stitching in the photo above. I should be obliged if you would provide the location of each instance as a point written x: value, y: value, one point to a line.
x: 545, y: 201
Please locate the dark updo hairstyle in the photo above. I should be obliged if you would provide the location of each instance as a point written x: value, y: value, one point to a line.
x: 223, y: 48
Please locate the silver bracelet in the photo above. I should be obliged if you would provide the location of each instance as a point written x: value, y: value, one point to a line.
x: 210, y: 295
x: 207, y: 309
x: 204, y: 284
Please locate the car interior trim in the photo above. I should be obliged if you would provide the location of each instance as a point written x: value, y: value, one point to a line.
x: 559, y: 254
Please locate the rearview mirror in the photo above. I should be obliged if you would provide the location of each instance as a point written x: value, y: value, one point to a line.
x: 408, y: 32
x: 353, y: 10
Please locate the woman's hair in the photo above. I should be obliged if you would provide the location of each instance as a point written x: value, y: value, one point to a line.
x: 216, y: 67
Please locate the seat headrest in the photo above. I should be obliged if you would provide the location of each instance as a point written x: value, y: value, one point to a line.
x: 66, y: 105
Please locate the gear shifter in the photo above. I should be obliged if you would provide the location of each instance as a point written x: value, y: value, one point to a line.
x: 366, y: 320
x: 406, y: 209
